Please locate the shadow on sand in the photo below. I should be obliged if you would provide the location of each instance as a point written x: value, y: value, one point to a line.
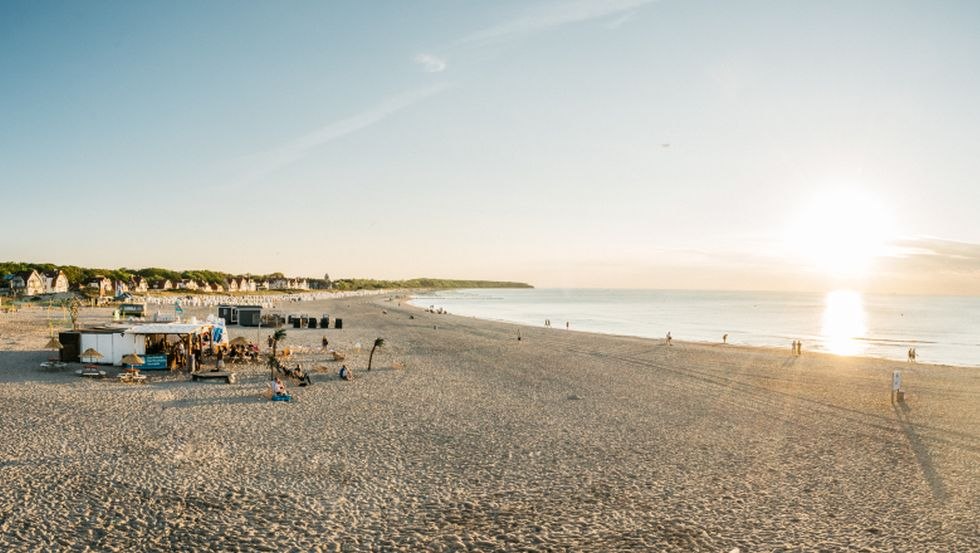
x: 922, y: 456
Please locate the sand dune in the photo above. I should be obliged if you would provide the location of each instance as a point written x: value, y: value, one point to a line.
x: 563, y: 441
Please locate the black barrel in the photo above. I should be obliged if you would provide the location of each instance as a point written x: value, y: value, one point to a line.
x: 297, y: 322
x: 324, y: 322
x: 311, y: 323
x: 338, y: 323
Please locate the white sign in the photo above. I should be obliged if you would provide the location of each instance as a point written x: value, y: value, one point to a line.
x: 896, y: 380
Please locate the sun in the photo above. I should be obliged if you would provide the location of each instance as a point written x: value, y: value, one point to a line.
x: 840, y: 232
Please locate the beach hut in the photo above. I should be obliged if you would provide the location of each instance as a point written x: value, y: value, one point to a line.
x: 250, y: 315
x: 136, y: 310
x: 229, y: 313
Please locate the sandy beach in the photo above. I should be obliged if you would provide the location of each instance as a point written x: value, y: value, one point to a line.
x: 562, y: 441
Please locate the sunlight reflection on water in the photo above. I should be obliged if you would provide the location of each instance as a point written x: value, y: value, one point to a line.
x: 844, y: 322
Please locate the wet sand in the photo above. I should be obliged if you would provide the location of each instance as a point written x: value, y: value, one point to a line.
x: 562, y: 441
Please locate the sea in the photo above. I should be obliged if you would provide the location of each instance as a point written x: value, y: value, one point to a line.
x: 941, y: 329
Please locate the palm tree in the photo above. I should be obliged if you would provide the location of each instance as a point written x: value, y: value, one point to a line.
x: 278, y: 336
x: 378, y: 343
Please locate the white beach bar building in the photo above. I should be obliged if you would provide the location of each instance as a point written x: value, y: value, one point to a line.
x: 114, y: 342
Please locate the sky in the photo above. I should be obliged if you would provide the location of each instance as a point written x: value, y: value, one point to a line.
x: 779, y: 145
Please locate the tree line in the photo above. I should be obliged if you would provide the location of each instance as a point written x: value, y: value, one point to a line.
x: 79, y: 275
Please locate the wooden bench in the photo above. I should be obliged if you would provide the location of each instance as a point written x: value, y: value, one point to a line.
x: 132, y: 378
x: 228, y: 377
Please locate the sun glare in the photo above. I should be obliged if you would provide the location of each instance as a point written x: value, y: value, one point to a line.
x: 844, y: 322
x: 840, y: 233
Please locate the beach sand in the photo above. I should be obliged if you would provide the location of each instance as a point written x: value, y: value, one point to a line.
x: 562, y: 441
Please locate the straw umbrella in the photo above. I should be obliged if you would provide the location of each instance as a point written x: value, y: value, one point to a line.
x: 54, y: 344
x: 240, y: 341
x: 91, y: 353
x: 132, y: 359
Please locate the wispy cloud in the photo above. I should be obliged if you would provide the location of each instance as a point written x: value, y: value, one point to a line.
x: 430, y: 63
x: 621, y: 20
x: 264, y: 163
x: 547, y: 16
x: 935, y: 254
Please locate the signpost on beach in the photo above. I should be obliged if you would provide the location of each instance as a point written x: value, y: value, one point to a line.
x: 897, y: 386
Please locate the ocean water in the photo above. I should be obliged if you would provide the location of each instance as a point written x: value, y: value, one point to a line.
x: 942, y: 329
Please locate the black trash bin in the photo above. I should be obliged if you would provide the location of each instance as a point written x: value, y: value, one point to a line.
x: 338, y: 323
x: 311, y: 323
x: 324, y: 322
x: 297, y: 322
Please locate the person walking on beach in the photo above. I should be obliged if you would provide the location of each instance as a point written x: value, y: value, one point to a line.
x: 566, y: 325
x: 794, y: 347
x: 724, y: 339
x: 670, y: 339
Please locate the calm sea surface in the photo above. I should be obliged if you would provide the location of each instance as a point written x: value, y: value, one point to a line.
x: 942, y: 329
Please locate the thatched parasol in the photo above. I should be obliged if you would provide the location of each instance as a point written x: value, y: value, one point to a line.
x: 53, y: 343
x: 91, y: 353
x: 132, y: 359
x: 240, y: 341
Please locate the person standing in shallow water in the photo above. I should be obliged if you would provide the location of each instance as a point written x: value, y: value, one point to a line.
x: 724, y: 339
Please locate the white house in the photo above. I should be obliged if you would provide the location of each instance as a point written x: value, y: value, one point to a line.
x: 55, y: 282
x: 28, y: 283
x: 102, y: 284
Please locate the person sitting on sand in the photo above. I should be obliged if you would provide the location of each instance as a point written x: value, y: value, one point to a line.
x: 345, y: 373
x: 299, y: 374
x: 278, y: 388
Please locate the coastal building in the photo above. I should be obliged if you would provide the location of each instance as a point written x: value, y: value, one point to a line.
x: 289, y: 284
x: 28, y: 283
x: 243, y: 284
x: 187, y: 284
x: 232, y: 285
x: 55, y: 282
x: 278, y: 284
x: 139, y: 284
x: 120, y: 288
x: 164, y: 284
x: 100, y: 283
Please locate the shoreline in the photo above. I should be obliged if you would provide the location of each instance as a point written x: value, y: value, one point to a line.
x: 770, y: 349
x: 897, y: 358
